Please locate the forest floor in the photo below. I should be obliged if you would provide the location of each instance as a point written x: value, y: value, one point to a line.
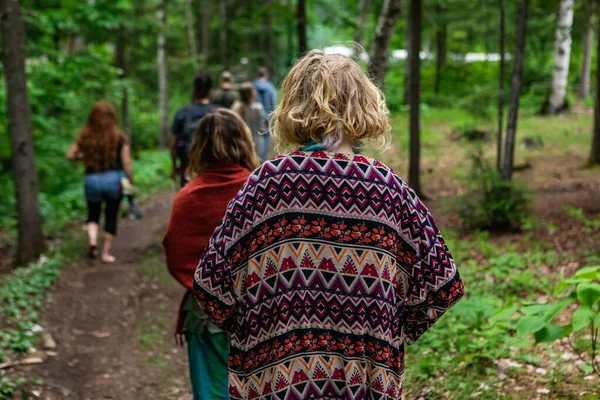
x: 113, y: 324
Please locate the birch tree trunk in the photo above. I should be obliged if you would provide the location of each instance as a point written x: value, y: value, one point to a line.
x: 29, y: 222
x: 302, y: 46
x: 562, y: 53
x: 191, y: 36
x: 586, y: 69
x: 595, y: 151
x: 517, y: 77
x: 501, y: 86
x: 388, y: 17
x: 162, y: 75
x: 414, y: 179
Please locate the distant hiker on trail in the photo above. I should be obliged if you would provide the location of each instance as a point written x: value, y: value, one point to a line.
x: 253, y: 114
x: 105, y: 151
x: 185, y: 124
x: 226, y: 95
x: 221, y: 159
x: 326, y: 263
x: 267, y: 96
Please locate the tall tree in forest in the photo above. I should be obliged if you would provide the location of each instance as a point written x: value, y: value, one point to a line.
x: 268, y: 50
x: 121, y: 64
x: 517, y: 77
x: 440, y: 45
x: 414, y: 180
x: 390, y: 12
x: 586, y: 68
x: 557, y: 101
x: 501, y: 85
x: 203, y: 22
x: 301, y: 21
x: 224, y: 33
x: 595, y: 151
x: 407, y: 44
x: 163, y: 102
x: 361, y: 22
x: 29, y: 222
x: 191, y: 35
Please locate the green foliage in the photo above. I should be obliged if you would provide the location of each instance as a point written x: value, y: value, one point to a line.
x: 583, y: 294
x: 22, y: 294
x: 491, y: 202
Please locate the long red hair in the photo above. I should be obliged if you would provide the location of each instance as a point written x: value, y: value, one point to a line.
x: 99, y: 138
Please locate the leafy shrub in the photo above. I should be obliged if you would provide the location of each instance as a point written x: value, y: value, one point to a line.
x: 585, y: 294
x: 492, y: 203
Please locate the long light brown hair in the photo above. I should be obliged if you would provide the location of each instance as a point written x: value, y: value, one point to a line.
x: 247, y: 98
x: 328, y: 99
x: 98, y: 140
x: 223, y: 138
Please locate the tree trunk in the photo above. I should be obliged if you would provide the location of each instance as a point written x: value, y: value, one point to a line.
x: 29, y: 222
x: 162, y: 75
x: 595, y: 151
x: 290, y: 33
x: 562, y: 52
x: 501, y: 86
x: 223, y: 33
x: 407, y: 62
x: 203, y: 35
x: 268, y: 59
x: 359, y: 35
x: 121, y: 63
x: 517, y: 77
x: 440, y: 41
x: 191, y: 36
x: 390, y: 12
x: 302, y: 46
x: 586, y: 70
x: 416, y: 10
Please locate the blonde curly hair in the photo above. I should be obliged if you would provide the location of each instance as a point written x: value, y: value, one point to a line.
x: 328, y: 99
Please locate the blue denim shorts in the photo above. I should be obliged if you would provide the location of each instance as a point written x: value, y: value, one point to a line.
x: 103, y: 185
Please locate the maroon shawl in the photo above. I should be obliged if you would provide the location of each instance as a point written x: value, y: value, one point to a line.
x: 197, y: 210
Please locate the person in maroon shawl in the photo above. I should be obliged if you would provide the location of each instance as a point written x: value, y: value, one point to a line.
x: 220, y: 161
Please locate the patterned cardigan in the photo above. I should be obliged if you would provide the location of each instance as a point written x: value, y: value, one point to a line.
x: 323, y: 266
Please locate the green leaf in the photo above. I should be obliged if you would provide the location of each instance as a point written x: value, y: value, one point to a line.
x: 590, y: 273
x: 582, y: 317
x: 551, y: 332
x: 536, y: 309
x: 557, y: 308
x: 586, y: 368
x: 588, y: 293
x: 530, y: 325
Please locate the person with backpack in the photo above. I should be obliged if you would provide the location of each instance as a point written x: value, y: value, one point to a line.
x: 226, y: 95
x: 185, y: 124
x: 221, y: 159
x: 105, y: 151
x: 253, y: 114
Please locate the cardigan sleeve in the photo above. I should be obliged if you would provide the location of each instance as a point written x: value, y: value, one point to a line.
x: 435, y: 284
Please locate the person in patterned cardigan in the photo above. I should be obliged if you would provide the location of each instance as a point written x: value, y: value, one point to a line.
x: 326, y: 263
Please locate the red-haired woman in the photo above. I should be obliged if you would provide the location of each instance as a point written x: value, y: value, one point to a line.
x: 106, y: 154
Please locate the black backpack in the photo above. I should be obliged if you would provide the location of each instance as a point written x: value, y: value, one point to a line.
x: 184, y: 142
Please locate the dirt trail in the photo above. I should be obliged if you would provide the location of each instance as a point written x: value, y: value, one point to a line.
x: 100, y: 316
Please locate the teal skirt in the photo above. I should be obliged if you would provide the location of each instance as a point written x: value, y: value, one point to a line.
x: 208, y: 351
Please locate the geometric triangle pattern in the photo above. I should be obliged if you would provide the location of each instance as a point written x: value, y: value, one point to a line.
x: 323, y: 267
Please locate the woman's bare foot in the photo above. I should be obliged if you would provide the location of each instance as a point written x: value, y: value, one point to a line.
x: 107, y: 258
